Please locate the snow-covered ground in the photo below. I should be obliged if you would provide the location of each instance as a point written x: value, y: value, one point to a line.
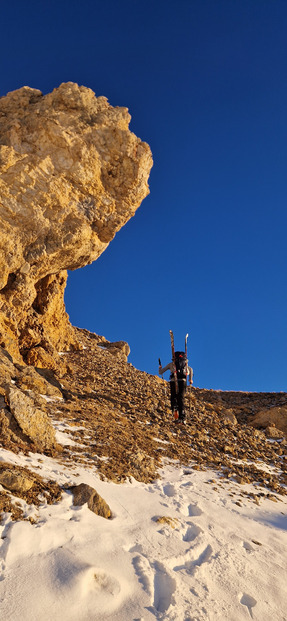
x: 213, y: 559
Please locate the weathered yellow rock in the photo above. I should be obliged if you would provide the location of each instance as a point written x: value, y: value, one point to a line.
x: 118, y: 348
x: 228, y: 416
x: 15, y: 481
x: 71, y: 175
x: 276, y: 416
x: 33, y: 422
x: 39, y: 357
x: 272, y: 432
x: 31, y: 379
x: 173, y: 522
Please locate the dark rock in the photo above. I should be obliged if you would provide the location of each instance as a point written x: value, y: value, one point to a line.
x: 84, y: 493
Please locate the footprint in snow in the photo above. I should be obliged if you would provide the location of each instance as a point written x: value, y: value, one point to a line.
x: 143, y: 572
x: 192, y: 566
x: 189, y: 510
x: 169, y: 490
x: 4, y: 546
x: 156, y: 582
x: 194, y: 510
x: 164, y: 588
x: 248, y: 547
x: 249, y: 602
x: 2, y: 569
x: 192, y: 532
x: 187, y: 485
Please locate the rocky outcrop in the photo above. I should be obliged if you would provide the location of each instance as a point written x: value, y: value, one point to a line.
x: 7, y: 368
x: 38, y: 382
x: 71, y: 175
x: 118, y: 348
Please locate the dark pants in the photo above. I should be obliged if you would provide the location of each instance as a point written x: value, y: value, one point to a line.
x: 177, y: 400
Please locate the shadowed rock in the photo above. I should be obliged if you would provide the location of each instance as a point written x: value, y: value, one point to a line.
x: 84, y: 493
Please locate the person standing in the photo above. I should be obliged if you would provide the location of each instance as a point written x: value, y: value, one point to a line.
x: 180, y: 371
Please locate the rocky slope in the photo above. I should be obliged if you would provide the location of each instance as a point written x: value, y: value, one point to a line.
x: 118, y: 420
x: 71, y: 174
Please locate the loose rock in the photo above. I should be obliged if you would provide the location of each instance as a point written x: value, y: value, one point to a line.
x: 84, y: 493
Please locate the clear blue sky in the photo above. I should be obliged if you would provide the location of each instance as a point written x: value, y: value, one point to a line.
x: 206, y: 84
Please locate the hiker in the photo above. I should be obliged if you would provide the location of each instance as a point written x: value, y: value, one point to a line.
x: 183, y: 371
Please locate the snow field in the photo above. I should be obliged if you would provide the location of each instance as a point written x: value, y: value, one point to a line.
x: 206, y: 559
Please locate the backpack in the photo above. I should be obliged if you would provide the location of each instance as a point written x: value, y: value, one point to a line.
x: 181, y: 364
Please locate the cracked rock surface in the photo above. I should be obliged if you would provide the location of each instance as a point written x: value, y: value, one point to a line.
x: 71, y: 175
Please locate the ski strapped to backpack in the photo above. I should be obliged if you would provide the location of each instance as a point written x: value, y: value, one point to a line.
x: 186, y: 361
x: 173, y: 360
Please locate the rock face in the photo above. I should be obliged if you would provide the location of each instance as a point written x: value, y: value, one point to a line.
x: 71, y: 175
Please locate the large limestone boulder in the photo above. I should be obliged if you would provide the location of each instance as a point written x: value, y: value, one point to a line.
x: 71, y: 175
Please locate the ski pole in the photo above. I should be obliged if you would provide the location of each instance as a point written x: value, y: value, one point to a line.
x: 159, y: 362
x: 185, y: 348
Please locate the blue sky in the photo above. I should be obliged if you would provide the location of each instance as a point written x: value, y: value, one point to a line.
x: 206, y: 84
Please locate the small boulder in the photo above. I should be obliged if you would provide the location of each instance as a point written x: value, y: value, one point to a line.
x: 84, y: 493
x: 229, y: 417
x: 15, y: 481
x: 34, y: 423
x: 272, y: 432
x: 118, y: 348
x: 39, y: 357
x: 275, y: 416
x: 164, y: 519
x: 30, y: 379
